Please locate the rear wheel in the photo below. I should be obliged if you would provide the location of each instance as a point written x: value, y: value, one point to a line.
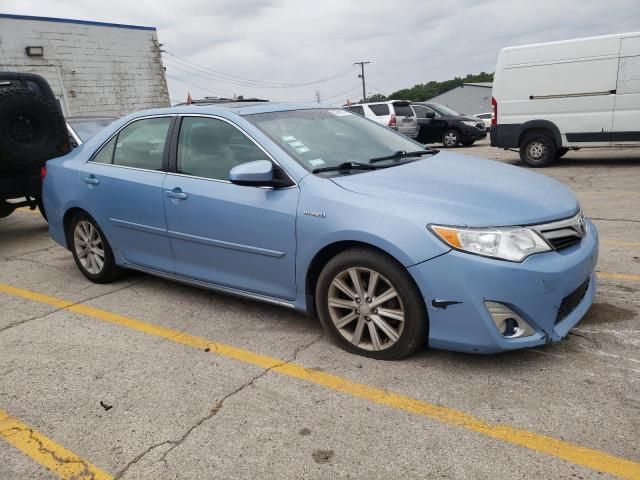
x: 91, y: 251
x: 450, y: 138
x: 537, y: 149
x: 370, y: 306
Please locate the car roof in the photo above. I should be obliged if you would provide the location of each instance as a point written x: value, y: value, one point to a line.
x: 239, y: 108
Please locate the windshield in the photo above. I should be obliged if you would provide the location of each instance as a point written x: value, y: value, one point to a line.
x: 444, y: 110
x: 85, y: 129
x: 319, y: 138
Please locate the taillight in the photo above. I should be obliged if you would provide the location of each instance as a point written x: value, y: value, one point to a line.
x: 43, y: 173
x: 392, y: 120
x: 494, y: 111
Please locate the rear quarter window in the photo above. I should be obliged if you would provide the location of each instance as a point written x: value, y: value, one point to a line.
x: 357, y: 109
x: 380, y: 109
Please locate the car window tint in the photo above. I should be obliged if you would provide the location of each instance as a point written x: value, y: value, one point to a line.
x: 105, y: 155
x: 210, y: 148
x: 357, y: 109
x: 141, y: 144
x: 380, y: 109
x: 403, y: 110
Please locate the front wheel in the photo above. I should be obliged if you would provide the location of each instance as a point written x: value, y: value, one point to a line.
x: 450, y: 138
x: 91, y: 251
x: 370, y: 306
x: 537, y: 150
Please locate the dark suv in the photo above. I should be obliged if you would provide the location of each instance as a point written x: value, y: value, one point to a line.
x: 32, y: 131
x: 441, y: 124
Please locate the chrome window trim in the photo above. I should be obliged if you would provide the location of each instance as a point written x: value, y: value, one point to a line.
x: 117, y: 132
x: 244, y: 132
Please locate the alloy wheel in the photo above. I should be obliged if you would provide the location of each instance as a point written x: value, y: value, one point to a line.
x: 450, y: 139
x: 89, y: 247
x: 366, y: 309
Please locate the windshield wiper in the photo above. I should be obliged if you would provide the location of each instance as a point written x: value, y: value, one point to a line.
x: 403, y: 154
x: 346, y: 166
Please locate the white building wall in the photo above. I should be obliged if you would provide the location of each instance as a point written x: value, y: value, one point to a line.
x: 94, y: 69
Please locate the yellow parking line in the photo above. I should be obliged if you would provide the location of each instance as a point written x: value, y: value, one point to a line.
x: 619, y: 276
x: 46, y: 452
x: 586, y: 457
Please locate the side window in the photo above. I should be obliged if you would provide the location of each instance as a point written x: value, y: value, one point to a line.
x: 380, y: 109
x: 210, y: 148
x: 105, y: 155
x: 357, y: 109
x: 421, y: 112
x: 141, y: 144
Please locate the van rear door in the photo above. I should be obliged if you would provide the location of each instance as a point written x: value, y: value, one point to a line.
x: 626, y: 116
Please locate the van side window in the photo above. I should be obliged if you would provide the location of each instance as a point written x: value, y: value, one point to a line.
x: 380, y: 109
x: 141, y: 144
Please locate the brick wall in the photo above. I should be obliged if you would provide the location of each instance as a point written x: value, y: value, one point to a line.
x: 92, y: 69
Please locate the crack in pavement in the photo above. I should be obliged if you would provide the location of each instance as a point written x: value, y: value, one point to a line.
x: 212, y: 413
x: 16, y: 324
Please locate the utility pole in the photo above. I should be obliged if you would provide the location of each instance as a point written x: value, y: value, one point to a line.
x: 317, y: 96
x: 364, y: 90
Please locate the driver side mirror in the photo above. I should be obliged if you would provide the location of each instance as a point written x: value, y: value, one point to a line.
x: 259, y: 173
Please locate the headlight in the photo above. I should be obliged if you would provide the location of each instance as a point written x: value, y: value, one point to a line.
x: 513, y: 244
x: 471, y: 124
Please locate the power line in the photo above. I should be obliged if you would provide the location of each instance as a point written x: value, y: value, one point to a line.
x: 224, y: 77
x: 206, y: 89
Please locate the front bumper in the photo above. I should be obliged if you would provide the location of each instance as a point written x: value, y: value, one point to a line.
x: 472, y: 133
x: 534, y: 289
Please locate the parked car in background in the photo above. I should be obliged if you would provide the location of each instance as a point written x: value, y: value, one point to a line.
x: 395, y: 114
x: 32, y: 130
x: 552, y: 97
x: 393, y: 245
x: 441, y: 124
x: 83, y: 128
x: 486, y: 119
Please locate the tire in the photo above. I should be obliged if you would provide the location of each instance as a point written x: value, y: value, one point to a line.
x: 81, y: 228
x: 32, y: 130
x: 450, y: 138
x: 467, y: 143
x: 537, y: 149
x: 561, y: 152
x: 41, y: 207
x: 360, y: 310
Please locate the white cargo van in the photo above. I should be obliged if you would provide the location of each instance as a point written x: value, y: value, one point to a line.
x: 552, y: 97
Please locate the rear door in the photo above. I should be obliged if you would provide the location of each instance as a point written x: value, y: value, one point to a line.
x: 406, y: 119
x: 626, y: 116
x: 123, y: 185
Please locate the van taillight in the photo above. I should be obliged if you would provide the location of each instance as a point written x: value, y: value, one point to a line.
x: 43, y: 173
x: 494, y: 111
x: 392, y: 120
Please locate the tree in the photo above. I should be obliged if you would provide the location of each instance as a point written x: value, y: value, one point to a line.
x: 425, y: 91
x: 376, y: 97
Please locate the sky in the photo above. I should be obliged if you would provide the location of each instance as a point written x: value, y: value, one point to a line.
x: 294, y: 50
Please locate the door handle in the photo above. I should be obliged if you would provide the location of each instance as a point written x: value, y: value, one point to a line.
x: 177, y: 193
x: 91, y: 180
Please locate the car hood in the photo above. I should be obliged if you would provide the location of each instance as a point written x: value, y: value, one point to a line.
x: 456, y: 189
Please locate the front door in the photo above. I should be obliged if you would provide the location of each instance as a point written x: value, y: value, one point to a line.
x: 235, y: 236
x: 123, y: 185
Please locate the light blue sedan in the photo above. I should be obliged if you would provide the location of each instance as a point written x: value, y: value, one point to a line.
x: 392, y: 245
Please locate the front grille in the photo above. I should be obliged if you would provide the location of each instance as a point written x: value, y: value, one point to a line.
x: 564, y: 233
x: 571, y: 301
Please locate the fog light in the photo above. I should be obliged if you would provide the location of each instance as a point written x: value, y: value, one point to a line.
x: 508, y: 322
